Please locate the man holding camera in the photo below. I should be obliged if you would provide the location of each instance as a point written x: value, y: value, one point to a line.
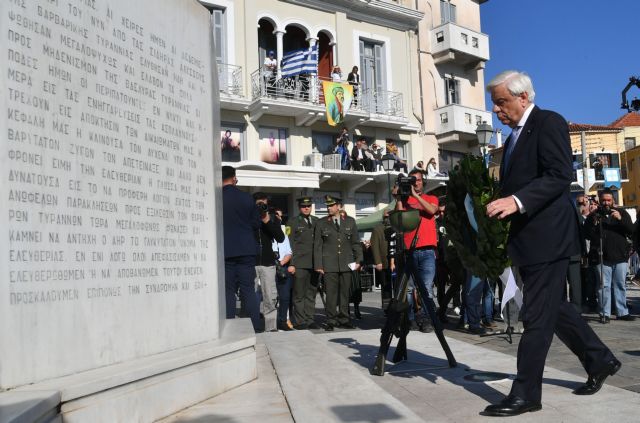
x: 421, y: 262
x: 337, y: 253
x: 615, y: 224
x: 266, y: 261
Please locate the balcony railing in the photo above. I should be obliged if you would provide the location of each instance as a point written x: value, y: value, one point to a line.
x: 308, y: 89
x: 230, y: 79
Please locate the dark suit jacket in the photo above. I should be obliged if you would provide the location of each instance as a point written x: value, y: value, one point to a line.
x: 379, y: 246
x: 240, y: 220
x: 539, y: 173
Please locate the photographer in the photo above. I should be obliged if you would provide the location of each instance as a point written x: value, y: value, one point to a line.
x: 269, y: 231
x: 342, y: 148
x: 421, y: 263
x: 615, y: 226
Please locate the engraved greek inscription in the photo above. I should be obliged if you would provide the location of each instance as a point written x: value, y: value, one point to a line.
x: 74, y: 185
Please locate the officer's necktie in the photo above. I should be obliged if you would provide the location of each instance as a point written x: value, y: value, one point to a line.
x: 308, y: 221
x: 337, y: 224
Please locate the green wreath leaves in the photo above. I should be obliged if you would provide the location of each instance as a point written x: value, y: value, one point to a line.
x: 483, y: 253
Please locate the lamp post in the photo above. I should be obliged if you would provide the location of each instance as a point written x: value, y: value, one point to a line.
x: 388, y: 162
x: 484, y: 131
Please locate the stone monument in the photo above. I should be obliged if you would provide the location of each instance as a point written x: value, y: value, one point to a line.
x: 111, y: 300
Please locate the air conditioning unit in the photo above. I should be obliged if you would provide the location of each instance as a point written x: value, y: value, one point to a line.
x: 331, y: 161
x: 313, y: 160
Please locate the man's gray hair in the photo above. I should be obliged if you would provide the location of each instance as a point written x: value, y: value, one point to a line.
x: 516, y: 82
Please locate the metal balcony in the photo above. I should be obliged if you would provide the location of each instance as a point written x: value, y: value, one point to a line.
x: 230, y: 80
x: 302, y: 96
x: 454, y: 43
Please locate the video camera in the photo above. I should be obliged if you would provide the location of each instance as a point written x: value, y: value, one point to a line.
x: 404, y: 185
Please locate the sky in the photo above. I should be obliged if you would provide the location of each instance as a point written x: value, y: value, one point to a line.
x: 579, y: 53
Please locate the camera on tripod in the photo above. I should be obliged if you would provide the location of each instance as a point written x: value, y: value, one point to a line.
x: 603, y: 212
x: 404, y: 185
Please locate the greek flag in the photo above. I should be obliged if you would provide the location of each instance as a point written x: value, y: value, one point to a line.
x: 301, y: 61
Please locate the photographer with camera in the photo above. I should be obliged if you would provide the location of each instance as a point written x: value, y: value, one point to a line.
x: 269, y: 231
x: 607, y: 227
x: 421, y: 262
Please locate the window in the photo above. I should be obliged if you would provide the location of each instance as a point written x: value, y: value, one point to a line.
x: 629, y: 143
x: 218, y: 19
x: 273, y: 145
x: 439, y: 36
x: 447, y: 12
x: 465, y: 38
x: 478, y: 120
x: 444, y: 118
x: 467, y: 118
x: 323, y: 142
x: 474, y: 42
x: 372, y: 66
x: 232, y: 143
x: 452, y: 90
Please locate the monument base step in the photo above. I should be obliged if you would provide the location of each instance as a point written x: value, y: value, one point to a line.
x: 142, y: 390
x: 322, y: 386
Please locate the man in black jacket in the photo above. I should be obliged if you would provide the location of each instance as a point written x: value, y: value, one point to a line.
x: 266, y: 260
x: 616, y: 227
x: 240, y: 221
x: 535, y: 176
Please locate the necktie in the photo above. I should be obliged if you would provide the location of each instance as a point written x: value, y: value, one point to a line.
x: 337, y: 224
x: 513, y: 138
x: 308, y: 221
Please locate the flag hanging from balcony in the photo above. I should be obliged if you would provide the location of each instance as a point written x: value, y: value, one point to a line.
x: 337, y: 99
x: 303, y: 61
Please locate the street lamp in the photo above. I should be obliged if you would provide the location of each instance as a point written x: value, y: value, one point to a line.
x: 484, y: 131
x: 388, y: 162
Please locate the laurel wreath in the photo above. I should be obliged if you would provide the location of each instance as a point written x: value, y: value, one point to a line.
x: 483, y: 253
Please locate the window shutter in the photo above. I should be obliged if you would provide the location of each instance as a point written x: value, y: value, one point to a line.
x: 452, y: 13
x: 379, y: 56
x: 218, y: 35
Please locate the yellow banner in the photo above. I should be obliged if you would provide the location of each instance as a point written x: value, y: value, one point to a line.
x: 337, y: 99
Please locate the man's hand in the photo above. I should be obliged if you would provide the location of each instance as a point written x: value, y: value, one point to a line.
x: 291, y: 269
x: 414, y: 193
x: 265, y: 218
x: 502, y: 207
x: 357, y: 267
x: 321, y: 271
x: 379, y: 266
x: 616, y: 214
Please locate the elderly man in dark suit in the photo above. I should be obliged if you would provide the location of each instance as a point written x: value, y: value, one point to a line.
x: 535, y: 175
x: 240, y: 220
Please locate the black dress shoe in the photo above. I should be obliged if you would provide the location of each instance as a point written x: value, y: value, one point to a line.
x: 328, y: 327
x: 283, y: 326
x: 313, y: 325
x: 626, y: 317
x: 347, y: 325
x: 511, y: 406
x: 595, y: 382
x: 476, y: 330
x: 301, y: 326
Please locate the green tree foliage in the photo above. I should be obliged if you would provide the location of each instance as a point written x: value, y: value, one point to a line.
x: 483, y: 253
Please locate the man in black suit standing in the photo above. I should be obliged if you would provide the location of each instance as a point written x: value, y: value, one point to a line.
x: 240, y: 220
x: 535, y: 175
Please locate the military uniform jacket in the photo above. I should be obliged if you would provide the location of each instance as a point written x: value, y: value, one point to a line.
x: 333, y: 249
x: 302, y: 242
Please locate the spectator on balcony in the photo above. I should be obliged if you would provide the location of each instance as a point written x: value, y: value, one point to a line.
x: 376, y: 152
x: 354, y: 80
x: 359, y: 158
x: 431, y: 169
x: 342, y: 148
x: 392, y: 150
x: 336, y: 74
x: 269, y: 70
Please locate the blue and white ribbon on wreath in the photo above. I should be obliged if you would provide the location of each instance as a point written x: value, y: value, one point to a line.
x: 511, y: 290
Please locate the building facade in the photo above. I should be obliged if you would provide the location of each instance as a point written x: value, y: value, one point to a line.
x: 421, y: 91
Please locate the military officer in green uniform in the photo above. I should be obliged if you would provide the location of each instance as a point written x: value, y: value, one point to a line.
x: 305, y: 283
x: 337, y: 252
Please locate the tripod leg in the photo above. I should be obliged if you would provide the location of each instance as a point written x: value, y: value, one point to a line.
x: 401, y: 349
x: 437, y: 326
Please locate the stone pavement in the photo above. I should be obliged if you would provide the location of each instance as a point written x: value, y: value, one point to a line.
x: 348, y: 393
